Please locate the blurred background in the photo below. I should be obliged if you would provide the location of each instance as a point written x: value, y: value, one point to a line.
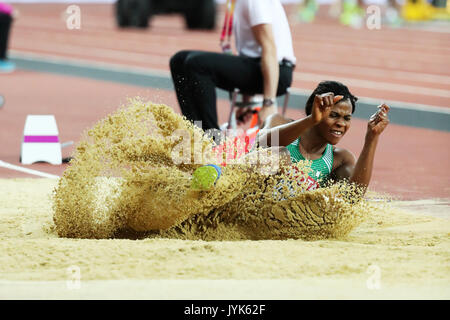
x: 80, y: 60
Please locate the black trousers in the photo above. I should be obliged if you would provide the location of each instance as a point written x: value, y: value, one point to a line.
x: 5, y: 25
x: 197, y: 74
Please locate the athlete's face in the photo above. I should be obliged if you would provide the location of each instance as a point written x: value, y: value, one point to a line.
x: 333, y: 127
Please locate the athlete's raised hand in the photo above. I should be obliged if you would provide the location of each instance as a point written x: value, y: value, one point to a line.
x: 322, y: 105
x: 378, y: 121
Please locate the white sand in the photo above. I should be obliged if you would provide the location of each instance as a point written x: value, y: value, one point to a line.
x: 401, y: 252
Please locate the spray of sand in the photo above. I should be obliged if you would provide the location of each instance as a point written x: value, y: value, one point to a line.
x: 130, y: 176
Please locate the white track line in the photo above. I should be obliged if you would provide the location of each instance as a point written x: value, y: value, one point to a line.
x: 29, y: 171
x: 375, y: 85
x: 74, y: 62
x: 391, y: 103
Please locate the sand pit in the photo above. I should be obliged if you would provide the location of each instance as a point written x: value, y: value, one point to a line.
x: 123, y: 222
x: 405, y: 246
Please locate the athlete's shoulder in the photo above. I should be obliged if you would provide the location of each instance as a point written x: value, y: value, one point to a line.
x: 342, y: 157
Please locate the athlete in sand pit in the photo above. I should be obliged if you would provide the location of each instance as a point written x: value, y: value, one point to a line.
x: 329, y: 112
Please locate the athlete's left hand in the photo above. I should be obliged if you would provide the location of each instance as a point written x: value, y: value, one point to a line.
x: 378, y: 121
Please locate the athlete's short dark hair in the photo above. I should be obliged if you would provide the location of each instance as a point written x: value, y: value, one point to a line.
x: 337, y: 88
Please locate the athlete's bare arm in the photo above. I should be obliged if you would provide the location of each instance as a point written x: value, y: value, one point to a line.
x: 360, y: 171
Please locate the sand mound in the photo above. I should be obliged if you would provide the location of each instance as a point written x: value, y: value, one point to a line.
x: 254, y: 215
x: 411, y: 250
x: 132, y: 172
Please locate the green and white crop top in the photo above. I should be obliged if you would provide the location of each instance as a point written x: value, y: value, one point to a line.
x: 320, y: 168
